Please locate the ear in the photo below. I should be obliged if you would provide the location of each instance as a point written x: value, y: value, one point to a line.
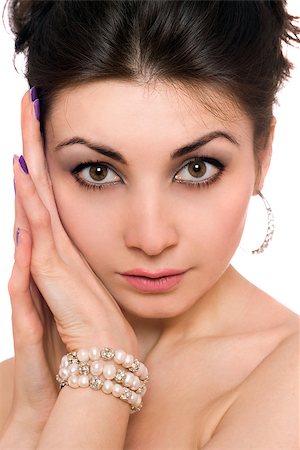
x: 264, y: 158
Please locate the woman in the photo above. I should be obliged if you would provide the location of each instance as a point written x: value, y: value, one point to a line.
x: 132, y: 106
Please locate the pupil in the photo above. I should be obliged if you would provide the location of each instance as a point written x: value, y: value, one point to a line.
x: 199, y: 169
x: 98, y: 173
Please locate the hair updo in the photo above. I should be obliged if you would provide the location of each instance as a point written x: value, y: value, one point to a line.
x: 234, y: 47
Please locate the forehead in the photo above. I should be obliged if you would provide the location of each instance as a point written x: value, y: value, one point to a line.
x: 123, y: 114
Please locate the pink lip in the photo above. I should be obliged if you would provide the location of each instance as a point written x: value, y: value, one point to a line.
x: 154, y: 284
x: 159, y: 274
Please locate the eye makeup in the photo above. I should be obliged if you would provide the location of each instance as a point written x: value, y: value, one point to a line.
x: 193, y: 184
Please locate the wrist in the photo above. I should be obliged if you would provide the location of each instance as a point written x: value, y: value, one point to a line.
x: 17, y: 434
x: 101, y: 343
x: 113, y: 371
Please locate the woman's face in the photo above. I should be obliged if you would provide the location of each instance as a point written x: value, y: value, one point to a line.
x: 155, y: 216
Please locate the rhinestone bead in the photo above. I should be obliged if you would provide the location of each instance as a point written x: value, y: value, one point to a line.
x: 72, y: 357
x: 84, y: 369
x: 107, y: 353
x: 126, y: 395
x: 134, y: 366
x: 96, y: 383
x: 120, y: 375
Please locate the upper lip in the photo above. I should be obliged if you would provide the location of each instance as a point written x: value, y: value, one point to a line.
x: 159, y: 274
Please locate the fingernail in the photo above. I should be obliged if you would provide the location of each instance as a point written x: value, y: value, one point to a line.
x: 33, y: 93
x: 23, y: 164
x: 14, y: 158
x: 36, y: 109
x: 17, y: 235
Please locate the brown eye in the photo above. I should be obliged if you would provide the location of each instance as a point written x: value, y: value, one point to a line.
x: 197, y: 169
x: 98, y: 173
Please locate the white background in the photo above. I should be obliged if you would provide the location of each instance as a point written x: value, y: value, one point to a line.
x: 276, y: 271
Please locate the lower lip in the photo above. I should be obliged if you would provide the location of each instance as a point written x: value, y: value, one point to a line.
x: 154, y: 284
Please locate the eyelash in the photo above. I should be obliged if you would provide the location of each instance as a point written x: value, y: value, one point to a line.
x: 200, y: 184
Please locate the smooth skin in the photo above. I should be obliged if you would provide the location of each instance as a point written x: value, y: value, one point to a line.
x: 149, y: 219
x: 164, y: 224
x: 63, y: 278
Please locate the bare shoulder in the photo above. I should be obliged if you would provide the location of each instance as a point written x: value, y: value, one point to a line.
x: 6, y: 389
x: 265, y: 414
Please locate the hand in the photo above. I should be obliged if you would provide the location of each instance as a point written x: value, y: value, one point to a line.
x: 84, y: 310
x: 34, y: 389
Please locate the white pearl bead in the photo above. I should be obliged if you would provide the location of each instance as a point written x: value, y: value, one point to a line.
x: 83, y: 354
x: 133, y: 398
x: 120, y: 356
x: 140, y: 370
x: 94, y: 353
x: 118, y: 390
x: 96, y: 368
x: 138, y: 401
x: 63, y: 373
x: 109, y: 371
x: 73, y: 369
x: 107, y: 386
x: 128, y: 380
x: 83, y: 381
x: 64, y: 361
x: 128, y: 360
x: 144, y: 373
x: 73, y: 381
x: 136, y: 383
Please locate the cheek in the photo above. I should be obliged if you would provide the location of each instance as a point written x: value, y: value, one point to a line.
x: 219, y: 228
x: 89, y: 223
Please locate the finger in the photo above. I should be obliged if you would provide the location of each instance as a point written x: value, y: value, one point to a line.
x: 28, y: 330
x: 37, y: 214
x: 27, y: 327
x: 21, y: 220
x: 33, y: 146
x: 34, y: 154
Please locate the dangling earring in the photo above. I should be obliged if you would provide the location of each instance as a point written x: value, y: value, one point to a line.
x: 270, y: 229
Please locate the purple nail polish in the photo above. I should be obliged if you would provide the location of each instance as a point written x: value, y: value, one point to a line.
x: 33, y: 93
x: 23, y: 164
x: 17, y: 235
x: 36, y: 108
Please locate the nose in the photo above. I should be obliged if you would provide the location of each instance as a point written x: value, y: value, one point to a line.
x: 150, y: 225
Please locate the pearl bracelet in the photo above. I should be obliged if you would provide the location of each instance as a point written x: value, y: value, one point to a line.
x: 81, y: 368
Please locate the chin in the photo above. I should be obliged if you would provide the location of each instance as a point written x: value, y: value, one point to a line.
x: 153, y: 308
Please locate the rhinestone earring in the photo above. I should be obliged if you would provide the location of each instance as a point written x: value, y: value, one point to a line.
x: 270, y: 229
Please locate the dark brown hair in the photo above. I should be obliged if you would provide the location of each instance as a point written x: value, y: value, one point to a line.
x: 234, y: 47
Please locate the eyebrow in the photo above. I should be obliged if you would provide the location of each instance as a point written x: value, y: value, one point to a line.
x: 117, y: 156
